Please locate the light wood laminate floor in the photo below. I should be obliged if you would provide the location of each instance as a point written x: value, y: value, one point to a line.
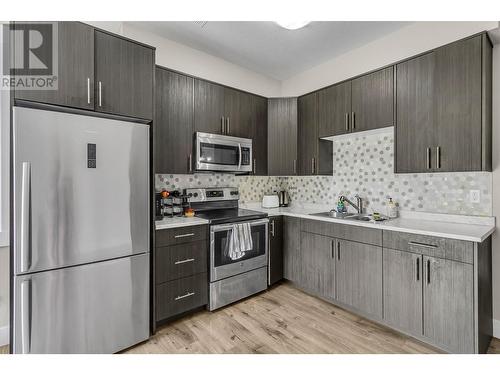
x: 280, y: 320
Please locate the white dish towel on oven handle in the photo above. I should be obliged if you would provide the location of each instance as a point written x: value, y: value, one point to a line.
x: 240, y: 241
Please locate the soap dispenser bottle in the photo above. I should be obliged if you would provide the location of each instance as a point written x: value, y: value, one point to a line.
x: 392, y: 209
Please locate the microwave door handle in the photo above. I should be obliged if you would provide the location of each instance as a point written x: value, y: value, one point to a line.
x: 239, y: 161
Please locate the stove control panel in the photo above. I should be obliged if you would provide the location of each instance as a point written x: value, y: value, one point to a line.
x: 212, y: 194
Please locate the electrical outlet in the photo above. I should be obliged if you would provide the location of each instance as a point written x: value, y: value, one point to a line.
x: 475, y: 196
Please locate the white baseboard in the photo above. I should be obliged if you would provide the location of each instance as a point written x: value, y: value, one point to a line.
x: 4, y: 335
x: 496, y: 328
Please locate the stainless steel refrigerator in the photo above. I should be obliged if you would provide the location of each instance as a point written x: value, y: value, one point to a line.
x: 80, y: 233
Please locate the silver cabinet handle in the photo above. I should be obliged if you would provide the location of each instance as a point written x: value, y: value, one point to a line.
x: 222, y: 125
x: 347, y: 122
x: 294, y: 166
x: 239, y: 159
x: 184, y: 261
x: 353, y: 121
x: 25, y: 316
x: 413, y: 243
x: 184, y: 296
x: 190, y: 161
x: 428, y: 158
x: 332, y: 249
x: 418, y: 269
x: 227, y: 126
x: 25, y: 241
x: 184, y: 235
x: 100, y: 94
x: 338, y: 250
x: 272, y: 228
x: 312, y: 165
x: 88, y: 90
x: 254, y: 166
x: 438, y: 157
x: 428, y: 271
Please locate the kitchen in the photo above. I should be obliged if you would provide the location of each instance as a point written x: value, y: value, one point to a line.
x: 345, y: 205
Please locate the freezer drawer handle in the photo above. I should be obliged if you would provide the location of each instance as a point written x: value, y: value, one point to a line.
x: 184, y: 235
x: 25, y: 241
x: 26, y: 316
x: 184, y: 296
x: 184, y: 261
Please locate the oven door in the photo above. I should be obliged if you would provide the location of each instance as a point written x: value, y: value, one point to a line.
x: 222, y: 266
x: 223, y: 153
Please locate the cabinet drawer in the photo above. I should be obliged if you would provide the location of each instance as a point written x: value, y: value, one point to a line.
x: 343, y: 231
x: 174, y: 262
x: 181, y: 295
x: 174, y: 236
x: 462, y: 251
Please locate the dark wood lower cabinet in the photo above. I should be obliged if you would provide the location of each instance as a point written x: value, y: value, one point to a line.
x: 275, y: 264
x: 181, y: 295
x: 291, y: 248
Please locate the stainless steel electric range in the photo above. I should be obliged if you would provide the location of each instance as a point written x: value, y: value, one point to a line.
x: 231, y: 279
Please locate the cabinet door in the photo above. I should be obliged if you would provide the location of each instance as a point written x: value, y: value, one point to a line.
x: 458, y: 106
x: 173, y: 130
x: 448, y: 304
x: 282, y: 136
x: 124, y: 76
x: 208, y: 107
x: 415, y: 130
x: 317, y: 264
x: 275, y: 264
x: 373, y: 100
x: 359, y: 276
x: 334, y: 106
x: 291, y: 248
x: 308, y: 133
x: 75, y: 75
x: 259, y: 136
x: 238, y: 111
x: 402, y: 283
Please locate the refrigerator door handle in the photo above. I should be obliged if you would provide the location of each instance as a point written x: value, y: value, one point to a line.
x: 26, y: 316
x: 25, y: 240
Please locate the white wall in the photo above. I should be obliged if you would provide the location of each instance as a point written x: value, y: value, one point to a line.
x: 200, y: 64
x: 405, y: 42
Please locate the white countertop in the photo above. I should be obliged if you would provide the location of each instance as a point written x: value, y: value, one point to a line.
x: 467, y: 228
x: 182, y: 221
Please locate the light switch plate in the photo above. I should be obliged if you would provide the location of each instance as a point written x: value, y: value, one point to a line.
x: 475, y: 196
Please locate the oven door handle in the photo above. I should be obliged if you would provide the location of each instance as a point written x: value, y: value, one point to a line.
x: 239, y: 159
x: 221, y: 227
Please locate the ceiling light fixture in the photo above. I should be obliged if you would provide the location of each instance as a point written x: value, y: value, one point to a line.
x: 293, y: 25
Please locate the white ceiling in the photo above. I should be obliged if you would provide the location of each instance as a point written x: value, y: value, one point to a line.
x: 266, y: 48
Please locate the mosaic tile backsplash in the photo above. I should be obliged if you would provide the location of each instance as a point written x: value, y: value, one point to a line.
x: 363, y: 164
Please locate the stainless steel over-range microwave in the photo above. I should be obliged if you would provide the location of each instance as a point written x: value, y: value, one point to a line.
x: 214, y: 152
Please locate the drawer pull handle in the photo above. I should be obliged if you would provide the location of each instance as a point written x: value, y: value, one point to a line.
x: 184, y: 261
x: 184, y: 235
x: 184, y: 296
x: 422, y: 245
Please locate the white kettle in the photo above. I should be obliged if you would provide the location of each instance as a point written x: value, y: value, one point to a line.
x: 270, y: 201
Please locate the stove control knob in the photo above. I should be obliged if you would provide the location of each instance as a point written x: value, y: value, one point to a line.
x: 195, y: 195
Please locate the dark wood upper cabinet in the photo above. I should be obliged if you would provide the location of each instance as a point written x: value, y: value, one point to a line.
x: 282, y: 136
x: 458, y: 106
x: 373, y: 100
x: 173, y: 130
x: 443, y: 109
x: 414, y: 130
x: 307, y: 109
x: 124, y: 76
x: 208, y: 107
x: 238, y: 112
x: 75, y: 73
x: 259, y: 136
x: 334, y: 105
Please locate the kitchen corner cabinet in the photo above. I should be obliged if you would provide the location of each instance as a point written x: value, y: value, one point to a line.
x: 291, y: 249
x: 443, y: 106
x: 282, y: 136
x: 75, y: 75
x: 124, y: 76
x: 173, y: 125
x: 275, y: 264
x: 314, y: 155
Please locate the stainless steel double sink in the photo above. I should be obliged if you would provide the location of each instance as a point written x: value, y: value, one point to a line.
x: 344, y: 215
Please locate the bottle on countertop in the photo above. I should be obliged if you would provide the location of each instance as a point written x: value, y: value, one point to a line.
x: 392, y: 209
